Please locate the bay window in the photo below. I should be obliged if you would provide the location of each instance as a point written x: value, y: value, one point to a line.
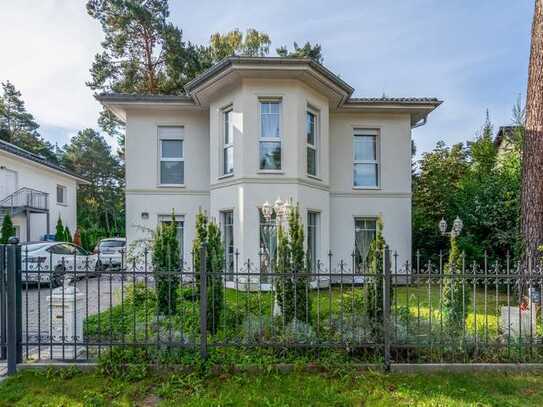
x: 228, y: 143
x: 312, y: 142
x: 270, y: 135
x: 365, y: 159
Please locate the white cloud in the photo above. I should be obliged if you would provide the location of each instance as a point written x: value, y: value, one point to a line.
x: 47, y: 48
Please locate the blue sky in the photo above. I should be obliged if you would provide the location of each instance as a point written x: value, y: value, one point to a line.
x: 471, y: 54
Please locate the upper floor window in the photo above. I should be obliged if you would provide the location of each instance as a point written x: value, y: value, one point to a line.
x: 61, y: 194
x: 270, y: 135
x: 172, y: 162
x: 312, y: 142
x: 228, y: 143
x: 365, y: 159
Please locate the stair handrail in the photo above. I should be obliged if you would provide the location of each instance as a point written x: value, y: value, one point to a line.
x: 26, y: 197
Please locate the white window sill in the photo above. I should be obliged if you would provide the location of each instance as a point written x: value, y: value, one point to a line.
x: 315, y: 177
x: 171, y: 186
x: 62, y: 204
x: 272, y: 172
x: 367, y: 188
x: 226, y: 176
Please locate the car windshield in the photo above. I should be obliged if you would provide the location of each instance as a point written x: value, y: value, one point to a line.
x: 112, y: 243
x: 34, y: 247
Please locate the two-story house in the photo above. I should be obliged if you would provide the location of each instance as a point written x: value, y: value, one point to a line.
x: 250, y: 130
x: 36, y: 192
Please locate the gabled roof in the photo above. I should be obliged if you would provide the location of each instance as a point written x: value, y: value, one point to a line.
x: 38, y: 159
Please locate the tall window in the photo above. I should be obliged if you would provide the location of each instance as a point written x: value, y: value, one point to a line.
x: 179, y: 225
x: 311, y: 140
x: 228, y: 144
x: 365, y: 159
x: 61, y: 194
x: 312, y: 238
x: 268, y: 243
x: 172, y: 162
x: 270, y: 135
x: 365, y: 230
x: 227, y: 220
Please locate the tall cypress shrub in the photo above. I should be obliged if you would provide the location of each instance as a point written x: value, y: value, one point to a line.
x: 208, y: 232
x: 292, y: 286
x: 60, y: 235
x: 454, y: 297
x: 166, y: 267
x: 8, y: 230
x: 67, y: 234
x: 374, y: 287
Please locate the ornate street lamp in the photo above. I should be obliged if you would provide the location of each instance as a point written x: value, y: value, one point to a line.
x: 456, y: 227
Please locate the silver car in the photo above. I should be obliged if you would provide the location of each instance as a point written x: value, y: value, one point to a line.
x: 52, y: 262
x: 111, y: 252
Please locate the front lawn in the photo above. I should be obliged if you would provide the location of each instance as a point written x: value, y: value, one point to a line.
x: 340, y: 388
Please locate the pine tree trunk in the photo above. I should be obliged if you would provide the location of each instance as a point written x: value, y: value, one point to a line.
x: 532, y: 165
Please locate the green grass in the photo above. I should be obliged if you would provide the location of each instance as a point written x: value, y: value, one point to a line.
x: 337, y: 388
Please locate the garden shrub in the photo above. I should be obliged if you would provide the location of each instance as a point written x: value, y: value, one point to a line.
x: 454, y: 298
x: 292, y: 291
x: 209, y: 233
x: 166, y: 266
x: 8, y: 230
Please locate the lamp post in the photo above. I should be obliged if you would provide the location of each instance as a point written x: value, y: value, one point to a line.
x: 455, y: 230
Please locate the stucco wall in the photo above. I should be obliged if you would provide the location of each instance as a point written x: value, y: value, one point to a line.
x: 42, y: 179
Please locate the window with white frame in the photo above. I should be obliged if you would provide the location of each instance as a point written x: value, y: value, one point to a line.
x: 312, y: 140
x: 365, y: 230
x: 313, y: 220
x: 270, y: 135
x: 172, y: 162
x: 179, y: 226
x: 61, y: 194
x: 228, y: 143
x: 227, y: 220
x: 365, y: 159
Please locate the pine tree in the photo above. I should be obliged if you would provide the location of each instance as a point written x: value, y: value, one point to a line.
x: 166, y: 266
x: 8, y: 230
x: 60, y: 231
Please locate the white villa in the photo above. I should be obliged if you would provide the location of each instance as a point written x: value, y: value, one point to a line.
x: 36, y: 192
x: 250, y: 130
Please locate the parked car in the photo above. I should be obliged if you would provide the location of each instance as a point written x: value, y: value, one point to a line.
x: 52, y: 262
x: 111, y: 251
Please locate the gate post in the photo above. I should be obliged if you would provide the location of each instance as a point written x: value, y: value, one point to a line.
x: 386, y: 307
x: 14, y: 305
x: 203, y: 301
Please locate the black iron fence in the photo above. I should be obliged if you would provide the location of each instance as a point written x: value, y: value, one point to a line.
x: 77, y: 307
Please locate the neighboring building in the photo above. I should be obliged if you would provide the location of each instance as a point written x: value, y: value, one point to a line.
x: 504, y: 140
x: 36, y: 192
x: 250, y: 130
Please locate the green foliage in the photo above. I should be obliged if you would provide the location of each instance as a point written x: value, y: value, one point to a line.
x: 292, y: 292
x: 374, y: 288
x: 253, y: 43
x: 475, y: 183
x: 60, y: 234
x: 307, y: 51
x: 166, y: 266
x: 208, y: 234
x: 100, y: 204
x: 455, y: 297
x: 17, y: 126
x: 8, y: 230
x: 67, y: 234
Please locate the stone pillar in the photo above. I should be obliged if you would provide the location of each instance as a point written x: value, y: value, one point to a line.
x: 66, y: 310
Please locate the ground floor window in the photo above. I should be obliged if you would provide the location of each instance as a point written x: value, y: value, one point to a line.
x: 365, y: 230
x: 180, y: 226
x: 268, y: 242
x: 227, y: 221
x: 312, y: 239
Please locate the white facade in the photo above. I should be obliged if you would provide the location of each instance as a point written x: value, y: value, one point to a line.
x: 237, y: 92
x: 19, y: 173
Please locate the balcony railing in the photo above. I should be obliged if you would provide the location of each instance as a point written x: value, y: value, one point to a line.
x: 26, y: 198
